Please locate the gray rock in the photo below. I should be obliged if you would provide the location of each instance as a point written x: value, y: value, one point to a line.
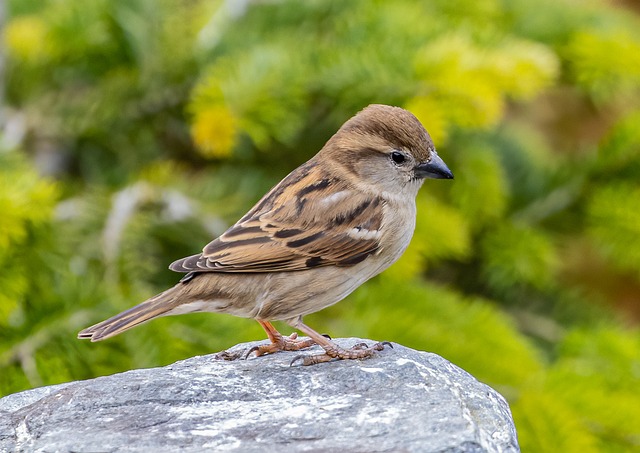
x: 400, y: 400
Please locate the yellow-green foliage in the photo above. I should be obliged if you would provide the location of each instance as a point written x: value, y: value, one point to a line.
x: 588, y: 399
x: 606, y: 64
x: 545, y: 423
x: 246, y: 86
x: 620, y: 151
x: 162, y: 121
x: 515, y: 254
x: 26, y: 204
x: 470, y: 81
x: 616, y: 226
x: 480, y: 176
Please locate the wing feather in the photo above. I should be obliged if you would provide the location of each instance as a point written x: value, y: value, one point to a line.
x: 308, y: 220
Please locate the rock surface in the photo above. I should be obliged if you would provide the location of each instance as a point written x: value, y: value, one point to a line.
x: 399, y: 400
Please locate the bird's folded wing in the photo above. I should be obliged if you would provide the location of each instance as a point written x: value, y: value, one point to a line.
x: 288, y: 230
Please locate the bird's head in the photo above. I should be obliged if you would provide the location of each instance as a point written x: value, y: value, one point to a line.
x: 386, y: 147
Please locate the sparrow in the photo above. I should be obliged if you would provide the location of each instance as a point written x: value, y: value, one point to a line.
x: 339, y: 219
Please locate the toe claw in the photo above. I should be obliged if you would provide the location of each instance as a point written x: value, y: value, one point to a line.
x: 296, y: 358
x: 250, y: 351
x: 327, y: 336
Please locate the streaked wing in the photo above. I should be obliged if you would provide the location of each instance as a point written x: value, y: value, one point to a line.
x: 308, y: 220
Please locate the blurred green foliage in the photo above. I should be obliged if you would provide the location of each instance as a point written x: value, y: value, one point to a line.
x: 135, y: 131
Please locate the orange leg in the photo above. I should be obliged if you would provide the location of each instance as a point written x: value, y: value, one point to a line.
x: 279, y: 342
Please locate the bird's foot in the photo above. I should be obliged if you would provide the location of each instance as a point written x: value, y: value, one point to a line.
x: 359, y: 351
x: 281, y: 343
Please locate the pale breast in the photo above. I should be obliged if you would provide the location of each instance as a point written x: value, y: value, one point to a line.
x: 397, y: 230
x: 292, y: 294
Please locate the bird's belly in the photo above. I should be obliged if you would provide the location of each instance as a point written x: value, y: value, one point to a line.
x: 293, y: 294
x: 289, y: 296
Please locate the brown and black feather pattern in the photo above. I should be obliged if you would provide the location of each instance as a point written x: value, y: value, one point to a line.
x: 298, y: 225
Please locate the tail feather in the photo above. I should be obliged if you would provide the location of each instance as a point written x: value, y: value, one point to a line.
x: 158, y: 305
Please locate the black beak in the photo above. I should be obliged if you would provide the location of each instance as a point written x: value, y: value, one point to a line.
x: 435, y: 168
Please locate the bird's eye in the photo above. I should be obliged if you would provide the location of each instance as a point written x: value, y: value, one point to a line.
x: 398, y: 158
